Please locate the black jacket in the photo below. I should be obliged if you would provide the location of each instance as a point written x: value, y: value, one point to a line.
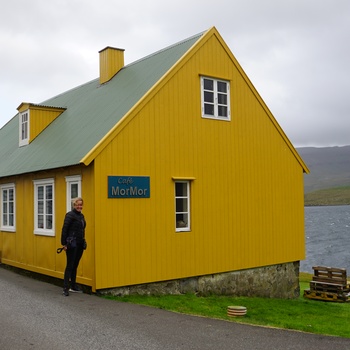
x: 73, y: 226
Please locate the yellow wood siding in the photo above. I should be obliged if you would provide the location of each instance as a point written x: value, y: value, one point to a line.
x: 37, y: 253
x: 111, y: 61
x: 246, y: 199
x: 40, y: 119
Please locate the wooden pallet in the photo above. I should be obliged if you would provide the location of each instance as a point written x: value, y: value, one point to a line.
x: 325, y: 296
x: 328, y: 284
x: 328, y: 287
x: 329, y: 275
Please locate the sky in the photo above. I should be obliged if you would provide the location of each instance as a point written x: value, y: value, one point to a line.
x: 295, y: 52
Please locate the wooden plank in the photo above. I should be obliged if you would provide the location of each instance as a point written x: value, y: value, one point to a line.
x: 327, y: 268
x: 329, y: 280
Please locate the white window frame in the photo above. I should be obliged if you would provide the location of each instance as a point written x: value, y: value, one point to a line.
x: 184, y: 213
x: 44, y: 230
x: 24, y: 128
x: 5, y: 226
x: 216, y: 102
x: 72, y: 180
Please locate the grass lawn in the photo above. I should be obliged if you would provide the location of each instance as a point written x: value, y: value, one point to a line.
x: 328, y: 318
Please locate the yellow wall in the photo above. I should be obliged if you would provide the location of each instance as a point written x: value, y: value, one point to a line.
x: 37, y: 253
x: 40, y: 119
x: 246, y: 199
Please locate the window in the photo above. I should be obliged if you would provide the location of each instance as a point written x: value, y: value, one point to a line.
x: 73, y: 185
x: 24, y: 128
x: 182, y: 206
x: 8, y: 207
x: 44, y: 218
x: 215, y: 98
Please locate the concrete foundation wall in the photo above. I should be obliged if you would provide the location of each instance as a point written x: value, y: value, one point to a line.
x: 275, y: 281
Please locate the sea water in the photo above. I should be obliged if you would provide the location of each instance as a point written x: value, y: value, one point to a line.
x: 327, y: 237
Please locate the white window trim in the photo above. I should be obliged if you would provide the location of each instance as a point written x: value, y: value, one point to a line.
x: 37, y: 230
x: 3, y: 227
x: 76, y: 179
x: 216, y: 104
x: 25, y: 141
x: 188, y: 227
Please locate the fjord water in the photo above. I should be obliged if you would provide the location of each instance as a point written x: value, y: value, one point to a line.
x: 327, y: 237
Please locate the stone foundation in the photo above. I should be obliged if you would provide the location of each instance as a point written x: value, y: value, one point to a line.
x: 275, y: 281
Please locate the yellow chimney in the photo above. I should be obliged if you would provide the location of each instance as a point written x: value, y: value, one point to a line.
x: 111, y: 61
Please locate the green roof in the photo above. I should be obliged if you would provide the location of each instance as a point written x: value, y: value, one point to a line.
x: 92, y: 111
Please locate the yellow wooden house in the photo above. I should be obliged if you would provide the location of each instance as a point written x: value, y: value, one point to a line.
x: 183, y: 169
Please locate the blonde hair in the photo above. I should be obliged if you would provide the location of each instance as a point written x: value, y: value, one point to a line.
x: 76, y: 200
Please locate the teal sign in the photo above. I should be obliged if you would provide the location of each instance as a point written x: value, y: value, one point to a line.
x: 128, y: 187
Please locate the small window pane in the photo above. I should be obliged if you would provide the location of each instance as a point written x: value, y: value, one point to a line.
x: 41, y: 207
x: 222, y: 110
x: 49, y: 222
x: 181, y: 189
x: 40, y: 221
x: 208, y: 84
x: 74, y: 191
x: 40, y: 192
x: 222, y: 87
x: 48, y: 192
x: 208, y: 97
x: 181, y: 220
x: 48, y: 207
x: 222, y: 99
x: 208, y: 109
x: 4, y: 220
x: 181, y: 204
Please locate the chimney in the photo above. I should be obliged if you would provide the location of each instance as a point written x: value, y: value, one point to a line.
x: 111, y: 62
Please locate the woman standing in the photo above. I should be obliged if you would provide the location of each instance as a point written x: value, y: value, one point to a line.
x: 73, y: 241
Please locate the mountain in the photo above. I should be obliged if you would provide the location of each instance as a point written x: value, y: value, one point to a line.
x: 329, y: 167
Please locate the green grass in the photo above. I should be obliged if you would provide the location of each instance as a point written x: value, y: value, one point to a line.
x: 331, y: 196
x: 328, y: 318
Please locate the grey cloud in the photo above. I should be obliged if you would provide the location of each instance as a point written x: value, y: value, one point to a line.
x: 295, y: 52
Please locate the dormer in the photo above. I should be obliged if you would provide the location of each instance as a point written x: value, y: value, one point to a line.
x: 111, y: 62
x: 33, y: 119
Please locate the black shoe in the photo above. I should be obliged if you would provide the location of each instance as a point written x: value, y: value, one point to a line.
x: 75, y: 289
x: 65, y: 292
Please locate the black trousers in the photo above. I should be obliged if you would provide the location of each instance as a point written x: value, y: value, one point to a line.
x: 73, y: 257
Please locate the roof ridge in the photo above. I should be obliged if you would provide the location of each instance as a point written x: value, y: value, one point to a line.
x: 165, y: 49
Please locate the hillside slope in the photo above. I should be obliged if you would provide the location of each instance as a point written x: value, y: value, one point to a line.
x: 329, y: 167
x: 333, y: 196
